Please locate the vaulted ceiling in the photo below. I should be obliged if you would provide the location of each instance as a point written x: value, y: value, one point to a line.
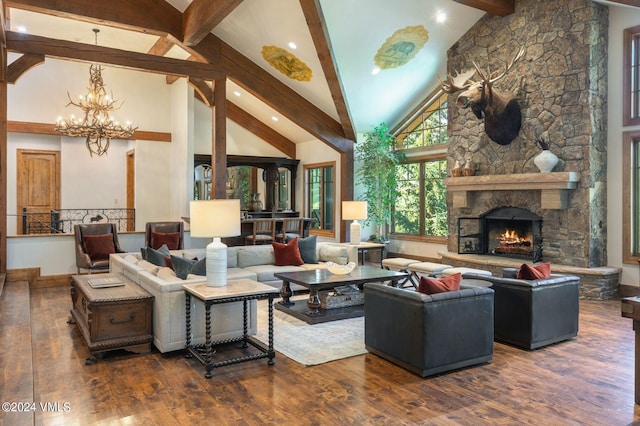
x: 203, y: 40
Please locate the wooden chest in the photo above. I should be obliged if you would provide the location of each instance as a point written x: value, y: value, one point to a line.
x: 118, y: 317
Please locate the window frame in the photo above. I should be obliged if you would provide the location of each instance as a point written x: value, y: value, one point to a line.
x: 307, y: 213
x: 628, y: 140
x: 422, y: 154
x: 628, y: 117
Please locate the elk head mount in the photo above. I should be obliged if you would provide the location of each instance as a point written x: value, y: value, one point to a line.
x: 500, y: 110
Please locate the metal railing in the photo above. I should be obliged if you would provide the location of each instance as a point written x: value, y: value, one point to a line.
x: 61, y: 221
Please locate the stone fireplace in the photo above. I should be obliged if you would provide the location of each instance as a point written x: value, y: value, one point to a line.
x: 560, y: 84
x: 561, y: 87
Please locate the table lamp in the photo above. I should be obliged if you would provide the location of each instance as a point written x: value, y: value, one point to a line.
x: 217, y: 219
x: 355, y: 211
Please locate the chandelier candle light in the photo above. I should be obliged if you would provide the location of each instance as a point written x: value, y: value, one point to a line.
x: 96, y: 124
x: 215, y: 218
x: 355, y: 211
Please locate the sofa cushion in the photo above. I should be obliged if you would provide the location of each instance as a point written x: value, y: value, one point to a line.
x: 335, y: 254
x: 255, y: 255
x: 237, y: 274
x: 166, y: 273
x: 99, y: 247
x: 232, y: 257
x: 528, y: 272
x: 308, y: 249
x: 434, y: 286
x: 148, y: 267
x: 287, y: 254
x: 170, y: 239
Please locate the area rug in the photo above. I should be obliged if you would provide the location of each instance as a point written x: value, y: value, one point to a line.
x: 311, y: 344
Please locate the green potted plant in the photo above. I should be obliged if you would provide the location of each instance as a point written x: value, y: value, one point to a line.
x: 378, y: 176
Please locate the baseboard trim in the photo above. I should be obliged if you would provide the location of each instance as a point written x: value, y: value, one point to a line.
x: 35, y: 280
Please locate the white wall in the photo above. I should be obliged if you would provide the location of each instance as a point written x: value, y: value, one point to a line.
x: 620, y: 17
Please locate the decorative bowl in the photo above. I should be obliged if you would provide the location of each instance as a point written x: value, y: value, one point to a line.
x: 337, y: 269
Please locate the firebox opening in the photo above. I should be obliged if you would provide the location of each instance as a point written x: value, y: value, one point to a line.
x: 505, y: 231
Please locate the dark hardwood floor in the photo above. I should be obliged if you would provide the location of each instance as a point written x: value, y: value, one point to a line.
x: 585, y: 381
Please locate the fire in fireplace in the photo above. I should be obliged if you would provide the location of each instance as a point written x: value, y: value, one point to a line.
x: 505, y: 231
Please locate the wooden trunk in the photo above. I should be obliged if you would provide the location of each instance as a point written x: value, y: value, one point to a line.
x: 114, y: 317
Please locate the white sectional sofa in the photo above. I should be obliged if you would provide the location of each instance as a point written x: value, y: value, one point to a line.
x: 169, y: 310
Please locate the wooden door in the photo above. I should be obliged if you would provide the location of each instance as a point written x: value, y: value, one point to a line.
x: 38, y: 189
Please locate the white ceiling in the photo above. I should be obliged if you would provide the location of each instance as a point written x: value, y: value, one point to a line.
x: 357, y: 29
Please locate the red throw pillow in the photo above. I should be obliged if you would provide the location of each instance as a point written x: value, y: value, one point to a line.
x: 528, y: 272
x: 171, y: 239
x: 287, y: 254
x: 433, y: 286
x: 99, y: 247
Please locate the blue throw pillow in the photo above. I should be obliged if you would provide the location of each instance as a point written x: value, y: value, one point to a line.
x: 157, y: 257
x: 307, y: 247
x: 182, y: 266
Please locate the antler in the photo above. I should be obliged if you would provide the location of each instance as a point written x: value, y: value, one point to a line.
x: 459, y: 82
x: 508, y: 67
x: 489, y: 77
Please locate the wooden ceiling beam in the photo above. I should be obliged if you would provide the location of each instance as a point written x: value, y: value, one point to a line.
x: 202, y: 16
x: 492, y: 7
x: 246, y: 120
x: 261, y: 130
x: 149, y: 16
x: 21, y: 65
x: 277, y: 95
x: 90, y: 53
x: 320, y: 35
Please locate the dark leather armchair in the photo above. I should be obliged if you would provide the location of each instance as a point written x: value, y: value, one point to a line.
x: 534, y: 313
x: 92, y: 237
x: 164, y: 228
x: 429, y: 334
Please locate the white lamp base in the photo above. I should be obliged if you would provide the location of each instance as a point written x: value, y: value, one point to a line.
x: 354, y: 232
x: 216, y: 263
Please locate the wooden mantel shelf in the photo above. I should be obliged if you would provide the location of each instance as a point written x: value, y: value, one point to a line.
x: 554, y: 187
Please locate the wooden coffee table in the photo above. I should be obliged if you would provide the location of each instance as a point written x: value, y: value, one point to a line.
x: 322, y: 280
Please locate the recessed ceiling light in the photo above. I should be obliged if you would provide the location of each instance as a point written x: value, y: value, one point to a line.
x: 292, y: 45
x: 236, y: 93
x: 375, y: 70
x: 441, y: 17
x: 21, y: 29
x: 274, y: 118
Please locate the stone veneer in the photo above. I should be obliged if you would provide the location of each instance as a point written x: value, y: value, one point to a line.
x: 562, y: 86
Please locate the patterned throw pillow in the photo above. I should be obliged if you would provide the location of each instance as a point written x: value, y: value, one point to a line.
x: 538, y: 272
x: 287, y: 254
x: 433, y: 286
x: 99, y: 247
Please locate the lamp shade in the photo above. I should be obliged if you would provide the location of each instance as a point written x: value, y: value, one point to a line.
x: 354, y: 210
x: 215, y: 218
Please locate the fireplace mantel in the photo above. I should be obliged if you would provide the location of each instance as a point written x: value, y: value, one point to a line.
x: 554, y: 187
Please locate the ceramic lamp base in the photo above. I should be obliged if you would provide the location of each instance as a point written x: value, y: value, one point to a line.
x: 216, y: 263
x: 354, y: 232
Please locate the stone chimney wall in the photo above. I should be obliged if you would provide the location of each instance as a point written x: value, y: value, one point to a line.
x: 561, y: 84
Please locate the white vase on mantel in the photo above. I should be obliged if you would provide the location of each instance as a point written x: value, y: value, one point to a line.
x: 545, y: 161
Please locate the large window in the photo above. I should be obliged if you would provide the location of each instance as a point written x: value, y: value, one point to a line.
x: 631, y: 77
x: 631, y: 197
x: 421, y: 207
x: 320, y: 197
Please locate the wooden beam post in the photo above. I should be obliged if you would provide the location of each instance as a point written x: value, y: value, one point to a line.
x: 219, y: 140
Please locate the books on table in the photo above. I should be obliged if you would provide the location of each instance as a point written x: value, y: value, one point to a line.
x: 106, y: 282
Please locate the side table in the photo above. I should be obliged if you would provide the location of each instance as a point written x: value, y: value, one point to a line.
x: 235, y: 291
x: 365, y: 246
x: 630, y: 308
